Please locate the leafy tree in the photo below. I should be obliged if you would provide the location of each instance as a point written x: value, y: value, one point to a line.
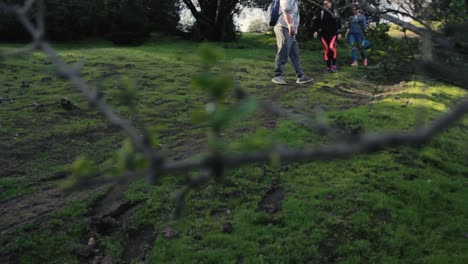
x: 10, y: 29
x: 73, y: 20
x: 164, y: 15
x: 70, y: 20
x: 259, y: 26
x: 214, y: 19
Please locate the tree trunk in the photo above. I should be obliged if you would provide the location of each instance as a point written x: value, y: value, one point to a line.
x: 214, y: 22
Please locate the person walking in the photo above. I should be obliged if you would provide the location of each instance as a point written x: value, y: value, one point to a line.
x: 327, y: 25
x: 355, y: 35
x: 288, y: 47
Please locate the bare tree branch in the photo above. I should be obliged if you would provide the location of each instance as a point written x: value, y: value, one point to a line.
x: 218, y: 160
x: 434, y: 36
x: 406, y: 14
x: 367, y: 144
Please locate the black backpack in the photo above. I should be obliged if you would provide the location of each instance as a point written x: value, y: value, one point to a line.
x: 273, y: 12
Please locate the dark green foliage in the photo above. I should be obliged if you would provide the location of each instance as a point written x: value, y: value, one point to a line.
x: 128, y: 38
x: 10, y: 30
x: 75, y: 20
x: 163, y: 15
x: 446, y: 11
x: 308, y: 13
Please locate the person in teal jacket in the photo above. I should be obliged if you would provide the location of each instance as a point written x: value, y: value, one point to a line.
x: 355, y: 35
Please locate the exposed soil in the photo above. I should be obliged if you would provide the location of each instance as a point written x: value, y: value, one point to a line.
x: 272, y: 201
x: 139, y: 244
x: 338, y: 234
x: 37, y: 207
x: 359, y: 96
x: 114, y: 213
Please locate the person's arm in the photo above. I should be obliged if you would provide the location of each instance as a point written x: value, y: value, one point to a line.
x: 364, y: 24
x: 348, y: 25
x: 317, y: 24
x: 290, y: 22
x: 287, y: 8
x: 338, y: 26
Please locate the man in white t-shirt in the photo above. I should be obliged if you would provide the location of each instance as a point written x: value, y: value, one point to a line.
x: 285, y: 31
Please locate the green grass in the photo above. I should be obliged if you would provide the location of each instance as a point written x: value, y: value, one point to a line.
x: 398, y: 205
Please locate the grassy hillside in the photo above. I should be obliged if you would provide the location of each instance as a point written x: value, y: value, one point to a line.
x: 399, y: 205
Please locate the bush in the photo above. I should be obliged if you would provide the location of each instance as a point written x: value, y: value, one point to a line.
x: 258, y: 26
x: 128, y: 38
x: 378, y: 34
x: 75, y: 20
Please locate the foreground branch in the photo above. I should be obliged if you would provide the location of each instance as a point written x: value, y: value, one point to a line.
x: 217, y: 160
x: 367, y: 144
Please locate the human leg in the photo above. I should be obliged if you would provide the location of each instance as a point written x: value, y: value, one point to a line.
x: 362, y: 50
x: 283, y: 42
x: 353, y: 43
x: 326, y: 52
x: 334, y: 53
x: 295, y: 57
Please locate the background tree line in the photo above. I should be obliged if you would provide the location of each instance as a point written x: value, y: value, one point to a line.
x: 75, y: 20
x: 214, y: 20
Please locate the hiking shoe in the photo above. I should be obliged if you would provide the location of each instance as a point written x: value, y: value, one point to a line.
x: 328, y: 69
x: 279, y: 80
x: 365, y: 62
x: 304, y: 79
x: 354, y: 64
x: 334, y: 68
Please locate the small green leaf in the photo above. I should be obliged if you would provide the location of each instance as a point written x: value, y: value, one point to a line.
x: 200, y: 116
x: 210, y: 54
x: 128, y: 91
x: 81, y: 169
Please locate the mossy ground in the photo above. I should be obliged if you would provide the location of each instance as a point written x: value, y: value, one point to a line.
x: 398, y: 205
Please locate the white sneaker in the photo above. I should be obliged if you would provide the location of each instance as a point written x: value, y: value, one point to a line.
x: 279, y: 80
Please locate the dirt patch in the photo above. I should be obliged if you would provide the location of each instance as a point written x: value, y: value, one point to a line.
x: 270, y: 122
x: 139, y: 244
x: 381, y: 92
x: 349, y: 129
x: 358, y: 96
x: 7, y: 172
x: 114, y: 213
x: 272, y: 201
x: 105, y: 65
x: 382, y: 216
x: 187, y: 147
x: 338, y: 234
x: 117, y: 216
x: 21, y: 150
x: 344, y: 90
x: 36, y: 208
